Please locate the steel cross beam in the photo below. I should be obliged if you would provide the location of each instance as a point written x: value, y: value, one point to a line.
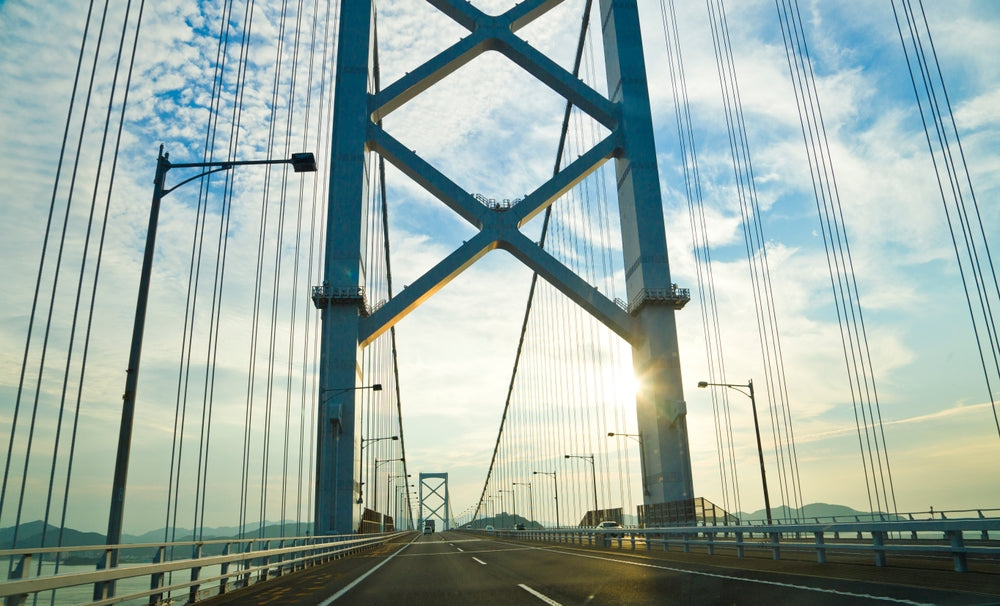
x: 444, y: 505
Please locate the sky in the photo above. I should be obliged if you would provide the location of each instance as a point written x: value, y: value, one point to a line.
x: 494, y: 130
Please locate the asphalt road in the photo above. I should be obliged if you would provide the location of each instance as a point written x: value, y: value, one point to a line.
x: 463, y: 568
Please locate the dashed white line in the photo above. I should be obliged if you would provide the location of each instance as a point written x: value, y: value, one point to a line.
x: 458, y: 548
x: 540, y: 596
x: 480, y: 561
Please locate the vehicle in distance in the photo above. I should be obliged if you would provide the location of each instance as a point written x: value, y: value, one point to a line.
x: 611, y: 525
x: 518, y: 526
x: 429, y: 526
x: 489, y: 528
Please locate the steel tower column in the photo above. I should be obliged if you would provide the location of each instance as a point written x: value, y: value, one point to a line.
x: 660, y: 408
x: 341, y: 296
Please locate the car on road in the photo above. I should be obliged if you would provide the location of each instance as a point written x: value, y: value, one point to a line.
x: 611, y: 525
x: 489, y: 528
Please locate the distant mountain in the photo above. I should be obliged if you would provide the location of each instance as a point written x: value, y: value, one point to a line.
x: 824, y: 511
x: 30, y: 535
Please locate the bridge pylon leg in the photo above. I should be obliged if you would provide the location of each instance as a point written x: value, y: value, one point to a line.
x: 660, y: 408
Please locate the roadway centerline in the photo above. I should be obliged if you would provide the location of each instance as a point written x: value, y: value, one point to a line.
x: 540, y: 596
x: 424, y: 555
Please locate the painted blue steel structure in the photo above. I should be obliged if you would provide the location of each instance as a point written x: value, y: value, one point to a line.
x: 647, y: 323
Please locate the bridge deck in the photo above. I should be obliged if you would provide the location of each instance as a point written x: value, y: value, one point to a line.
x: 458, y: 567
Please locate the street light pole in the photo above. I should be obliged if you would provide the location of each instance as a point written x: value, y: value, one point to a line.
x: 513, y: 498
x: 381, y: 516
x: 394, y: 510
x: 555, y: 484
x: 531, y: 499
x: 593, y: 469
x: 301, y: 162
x: 642, y: 455
x: 756, y: 427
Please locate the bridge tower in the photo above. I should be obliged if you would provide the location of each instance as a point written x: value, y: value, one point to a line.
x: 648, y: 322
x: 436, y: 505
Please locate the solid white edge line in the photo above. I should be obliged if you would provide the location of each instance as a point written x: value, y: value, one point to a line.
x: 716, y: 575
x: 480, y: 561
x: 540, y: 596
x: 354, y: 583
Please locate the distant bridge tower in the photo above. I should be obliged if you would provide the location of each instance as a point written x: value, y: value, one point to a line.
x: 436, y: 505
x: 647, y: 324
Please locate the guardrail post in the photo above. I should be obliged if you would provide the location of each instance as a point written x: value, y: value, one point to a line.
x: 820, y: 549
x: 103, y: 589
x: 958, y: 550
x: 156, y: 579
x: 687, y: 543
x: 265, y: 570
x: 281, y: 559
x: 224, y: 570
x: 195, y: 574
x: 245, y: 564
x: 776, y: 545
x: 740, y: 550
x: 631, y: 539
x: 878, y: 541
x: 710, y: 537
x: 23, y: 568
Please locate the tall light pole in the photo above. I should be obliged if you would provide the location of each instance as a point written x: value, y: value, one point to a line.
x: 642, y: 455
x: 391, y: 478
x: 513, y: 498
x: 593, y: 469
x: 756, y: 427
x: 381, y: 516
x: 531, y: 499
x: 555, y: 484
x: 302, y: 162
x: 361, y: 451
x: 326, y: 394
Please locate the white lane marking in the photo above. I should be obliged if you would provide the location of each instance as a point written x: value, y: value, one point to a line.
x: 449, y: 553
x: 744, y: 579
x: 480, y: 561
x: 458, y: 548
x: 351, y: 586
x: 540, y: 596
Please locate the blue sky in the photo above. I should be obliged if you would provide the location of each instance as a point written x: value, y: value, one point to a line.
x: 494, y: 130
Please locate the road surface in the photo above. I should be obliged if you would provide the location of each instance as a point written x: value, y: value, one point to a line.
x: 456, y: 567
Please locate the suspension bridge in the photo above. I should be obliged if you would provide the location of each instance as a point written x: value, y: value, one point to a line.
x: 586, y: 279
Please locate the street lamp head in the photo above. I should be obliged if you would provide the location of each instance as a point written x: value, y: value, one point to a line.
x: 611, y: 434
x: 304, y: 162
x: 702, y: 384
x: 378, y: 387
x: 566, y: 456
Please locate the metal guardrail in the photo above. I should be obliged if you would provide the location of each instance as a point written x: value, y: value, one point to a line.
x: 243, y: 562
x: 868, y: 537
